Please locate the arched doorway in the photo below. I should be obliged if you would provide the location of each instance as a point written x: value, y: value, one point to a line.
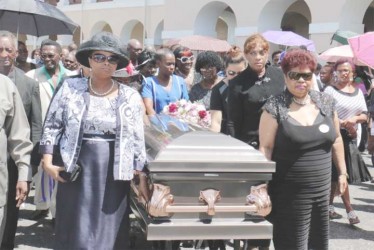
x: 157, y: 41
x: 297, y: 19
x: 100, y: 26
x: 133, y: 29
x: 368, y: 19
x: 216, y: 19
x: 78, y: 36
x: 355, y: 15
x: 287, y: 15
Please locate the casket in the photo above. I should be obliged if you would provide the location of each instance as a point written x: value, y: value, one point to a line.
x: 200, y: 185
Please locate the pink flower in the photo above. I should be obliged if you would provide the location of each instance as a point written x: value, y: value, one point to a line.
x: 173, y: 108
x: 194, y: 113
x: 202, y: 114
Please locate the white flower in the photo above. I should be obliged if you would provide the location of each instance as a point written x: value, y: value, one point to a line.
x: 183, y: 102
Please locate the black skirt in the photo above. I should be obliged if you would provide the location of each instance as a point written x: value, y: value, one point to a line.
x: 356, y: 167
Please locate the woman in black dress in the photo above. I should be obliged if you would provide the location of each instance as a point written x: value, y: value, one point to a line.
x: 235, y: 63
x: 247, y: 94
x: 299, y: 130
x: 249, y: 91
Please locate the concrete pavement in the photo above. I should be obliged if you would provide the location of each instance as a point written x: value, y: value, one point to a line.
x: 39, y: 234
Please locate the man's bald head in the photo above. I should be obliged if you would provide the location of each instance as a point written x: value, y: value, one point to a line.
x: 134, y: 47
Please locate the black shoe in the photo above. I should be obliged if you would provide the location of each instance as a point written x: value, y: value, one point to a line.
x: 39, y: 214
x: 334, y: 215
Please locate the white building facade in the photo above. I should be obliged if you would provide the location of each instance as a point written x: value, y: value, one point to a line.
x: 156, y: 21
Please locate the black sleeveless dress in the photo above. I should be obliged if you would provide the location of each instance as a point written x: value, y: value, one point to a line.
x: 300, y: 187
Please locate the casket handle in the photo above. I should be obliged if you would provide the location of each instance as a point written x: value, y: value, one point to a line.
x: 259, y: 197
x: 161, y: 203
x: 210, y: 196
x: 160, y: 200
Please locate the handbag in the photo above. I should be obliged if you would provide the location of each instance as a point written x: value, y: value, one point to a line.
x: 73, y: 176
x: 57, y: 161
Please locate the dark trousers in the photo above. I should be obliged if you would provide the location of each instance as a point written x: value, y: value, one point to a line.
x: 12, y: 209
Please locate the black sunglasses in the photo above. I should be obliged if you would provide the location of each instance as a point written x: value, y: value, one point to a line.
x: 100, y: 58
x: 297, y: 75
x: 233, y: 73
x: 49, y: 56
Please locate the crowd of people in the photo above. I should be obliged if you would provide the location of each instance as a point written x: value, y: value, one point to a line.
x: 72, y: 123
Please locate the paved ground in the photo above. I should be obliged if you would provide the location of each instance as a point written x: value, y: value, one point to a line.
x: 39, y: 234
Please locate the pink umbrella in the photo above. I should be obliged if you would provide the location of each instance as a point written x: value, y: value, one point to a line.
x: 363, y: 48
x: 335, y: 53
x: 288, y: 38
x: 204, y: 43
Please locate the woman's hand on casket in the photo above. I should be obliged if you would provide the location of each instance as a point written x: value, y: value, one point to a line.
x: 54, y: 171
x: 143, y: 184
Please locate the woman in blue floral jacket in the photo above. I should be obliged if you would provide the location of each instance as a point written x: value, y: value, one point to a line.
x: 97, y: 126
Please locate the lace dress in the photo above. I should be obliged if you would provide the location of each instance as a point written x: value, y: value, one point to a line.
x: 199, y: 94
x: 300, y: 187
x: 92, y: 211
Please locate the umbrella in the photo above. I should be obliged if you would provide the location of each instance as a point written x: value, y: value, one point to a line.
x: 363, y: 48
x: 34, y: 18
x: 333, y: 54
x: 341, y: 36
x: 205, y: 43
x: 288, y: 38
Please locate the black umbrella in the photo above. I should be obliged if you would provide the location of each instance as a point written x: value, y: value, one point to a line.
x: 34, y: 17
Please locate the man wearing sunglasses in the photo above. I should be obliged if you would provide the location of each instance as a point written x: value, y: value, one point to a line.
x: 48, y: 76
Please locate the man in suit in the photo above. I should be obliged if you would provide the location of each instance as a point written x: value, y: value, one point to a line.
x: 14, y: 143
x: 29, y: 92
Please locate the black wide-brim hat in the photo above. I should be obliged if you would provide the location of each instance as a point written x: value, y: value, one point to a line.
x: 103, y: 41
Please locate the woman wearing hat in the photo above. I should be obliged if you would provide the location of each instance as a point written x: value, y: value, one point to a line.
x: 146, y: 68
x: 146, y: 64
x: 97, y: 126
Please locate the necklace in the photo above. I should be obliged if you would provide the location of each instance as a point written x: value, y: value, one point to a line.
x: 101, y: 94
x: 302, y: 102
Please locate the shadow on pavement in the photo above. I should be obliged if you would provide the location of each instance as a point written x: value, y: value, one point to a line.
x: 366, y: 186
x: 35, y: 233
x: 339, y: 230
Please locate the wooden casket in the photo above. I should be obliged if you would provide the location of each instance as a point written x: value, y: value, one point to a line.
x: 200, y: 185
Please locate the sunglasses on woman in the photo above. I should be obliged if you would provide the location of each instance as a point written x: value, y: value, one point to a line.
x: 186, y: 59
x: 233, y: 73
x: 297, y: 75
x: 100, y: 58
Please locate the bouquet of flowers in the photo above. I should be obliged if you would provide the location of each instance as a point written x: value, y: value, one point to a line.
x: 194, y: 113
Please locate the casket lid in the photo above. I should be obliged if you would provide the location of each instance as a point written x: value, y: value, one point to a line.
x: 206, y: 151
